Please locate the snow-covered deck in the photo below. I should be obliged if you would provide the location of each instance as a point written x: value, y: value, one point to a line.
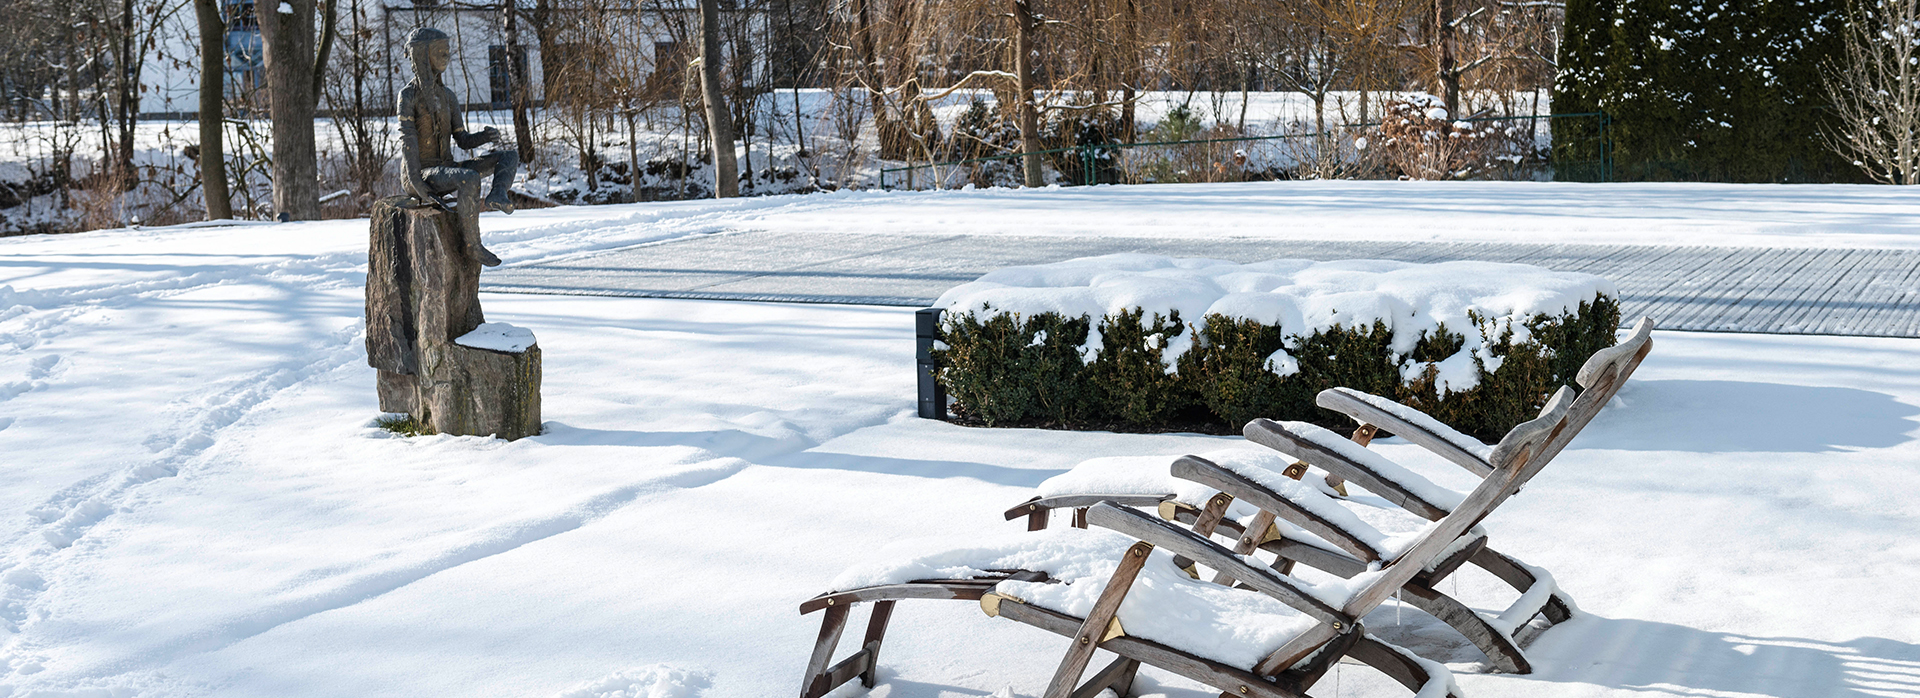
x: 1863, y: 292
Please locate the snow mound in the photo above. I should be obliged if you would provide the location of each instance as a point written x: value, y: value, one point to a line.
x: 498, y: 336
x: 1301, y: 296
x: 658, y: 681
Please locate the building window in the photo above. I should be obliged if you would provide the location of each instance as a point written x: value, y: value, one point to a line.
x: 499, y: 79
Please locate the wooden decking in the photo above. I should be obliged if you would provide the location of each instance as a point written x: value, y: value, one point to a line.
x: 1867, y: 292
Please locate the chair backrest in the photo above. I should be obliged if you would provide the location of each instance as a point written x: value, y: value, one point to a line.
x: 1600, y: 378
x: 1510, y: 458
x: 1609, y: 367
x: 1527, y: 434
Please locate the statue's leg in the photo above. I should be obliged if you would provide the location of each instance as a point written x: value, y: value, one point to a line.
x: 470, y: 218
x: 466, y: 182
x: 502, y: 165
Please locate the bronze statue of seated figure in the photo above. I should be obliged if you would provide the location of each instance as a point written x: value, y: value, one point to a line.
x: 430, y: 125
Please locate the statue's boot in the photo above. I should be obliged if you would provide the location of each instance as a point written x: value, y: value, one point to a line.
x: 498, y: 201
x: 506, y: 163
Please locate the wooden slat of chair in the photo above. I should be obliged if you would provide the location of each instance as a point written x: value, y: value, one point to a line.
x: 1276, y: 436
x: 1349, y: 402
x: 1036, y: 509
x: 1211, y: 474
x: 1187, y: 543
x: 1094, y: 629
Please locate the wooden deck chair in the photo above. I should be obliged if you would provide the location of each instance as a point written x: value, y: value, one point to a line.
x: 1602, y: 376
x: 1298, y: 521
x: 1315, y: 627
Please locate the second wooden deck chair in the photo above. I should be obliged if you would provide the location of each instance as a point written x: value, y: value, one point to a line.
x: 1236, y: 639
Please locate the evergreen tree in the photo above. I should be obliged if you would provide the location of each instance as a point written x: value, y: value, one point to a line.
x: 1704, y: 90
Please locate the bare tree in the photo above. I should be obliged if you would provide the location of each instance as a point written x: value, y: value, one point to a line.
x: 213, y: 157
x: 726, y: 172
x: 287, y: 30
x: 1875, y: 88
x: 1024, y: 26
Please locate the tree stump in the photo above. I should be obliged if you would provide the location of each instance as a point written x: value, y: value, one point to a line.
x: 423, y: 303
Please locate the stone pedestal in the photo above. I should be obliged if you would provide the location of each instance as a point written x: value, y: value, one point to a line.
x: 422, y: 299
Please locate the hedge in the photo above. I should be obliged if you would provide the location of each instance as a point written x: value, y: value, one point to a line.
x: 1035, y: 370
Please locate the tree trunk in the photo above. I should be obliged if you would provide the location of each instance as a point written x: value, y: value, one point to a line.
x: 213, y: 157
x: 127, y: 101
x: 288, y: 40
x: 726, y: 175
x: 870, y: 75
x: 329, y: 28
x: 1129, y: 126
x: 1023, y: 28
x: 1443, y: 37
x: 517, y: 85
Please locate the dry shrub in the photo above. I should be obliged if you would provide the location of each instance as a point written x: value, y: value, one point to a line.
x: 1422, y: 141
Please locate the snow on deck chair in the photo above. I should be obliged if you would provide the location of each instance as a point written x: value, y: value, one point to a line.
x: 1274, y: 635
x: 1236, y: 491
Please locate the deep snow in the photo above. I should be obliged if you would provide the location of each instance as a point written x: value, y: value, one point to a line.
x: 195, y: 502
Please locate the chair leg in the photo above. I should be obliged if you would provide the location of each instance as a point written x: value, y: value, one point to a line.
x: 1388, y: 660
x: 864, y: 663
x: 1117, y: 676
x: 1558, y: 608
x: 876, y: 632
x: 1037, y: 521
x: 1499, y: 648
x: 830, y: 627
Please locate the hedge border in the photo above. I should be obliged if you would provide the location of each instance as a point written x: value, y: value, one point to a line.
x: 1010, y: 370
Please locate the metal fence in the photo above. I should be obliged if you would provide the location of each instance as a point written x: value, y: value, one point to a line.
x: 1582, y: 153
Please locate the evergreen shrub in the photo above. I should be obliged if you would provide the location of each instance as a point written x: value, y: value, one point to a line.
x: 1007, y: 369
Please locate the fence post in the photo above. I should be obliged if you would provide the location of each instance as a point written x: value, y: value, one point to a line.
x: 883, y: 178
x: 909, y: 175
x: 1086, y: 161
x: 1606, y: 147
x: 933, y: 396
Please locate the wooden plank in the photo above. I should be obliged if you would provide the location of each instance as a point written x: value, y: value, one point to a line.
x: 1093, y: 630
x: 1075, y: 501
x: 961, y: 589
x: 1390, y: 661
x: 1176, y: 539
x: 1238, y: 682
x: 1501, y: 650
x: 1205, y: 472
x: 1274, y: 435
x: 1343, y: 400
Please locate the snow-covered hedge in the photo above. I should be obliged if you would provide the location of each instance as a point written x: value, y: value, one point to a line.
x: 1135, y: 341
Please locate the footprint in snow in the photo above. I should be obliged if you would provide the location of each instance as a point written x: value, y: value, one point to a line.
x: 657, y: 681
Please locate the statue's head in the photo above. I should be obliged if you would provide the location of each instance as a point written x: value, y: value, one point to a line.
x: 428, y: 49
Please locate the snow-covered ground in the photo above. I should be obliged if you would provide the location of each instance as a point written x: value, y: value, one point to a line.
x: 192, y: 501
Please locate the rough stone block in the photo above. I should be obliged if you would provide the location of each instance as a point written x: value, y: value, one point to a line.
x: 438, y: 360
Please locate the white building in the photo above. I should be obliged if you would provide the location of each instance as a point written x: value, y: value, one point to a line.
x: 651, y: 37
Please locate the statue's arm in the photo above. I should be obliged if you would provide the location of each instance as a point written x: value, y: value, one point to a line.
x: 410, y: 144
x: 469, y: 140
